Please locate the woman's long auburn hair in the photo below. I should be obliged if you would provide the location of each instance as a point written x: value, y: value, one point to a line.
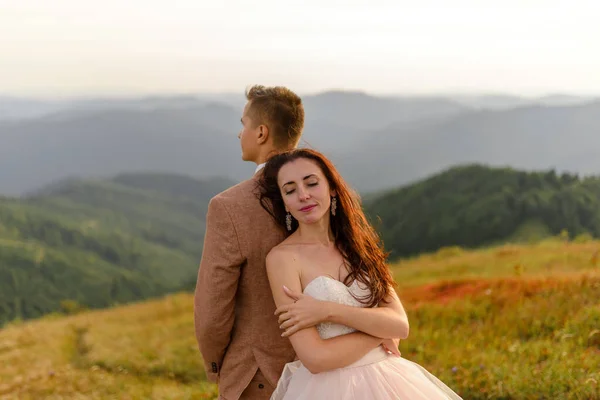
x: 355, y: 238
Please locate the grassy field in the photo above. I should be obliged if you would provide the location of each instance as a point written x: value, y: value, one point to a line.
x: 509, y: 322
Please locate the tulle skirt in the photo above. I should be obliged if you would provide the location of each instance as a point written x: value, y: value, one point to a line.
x: 377, y: 376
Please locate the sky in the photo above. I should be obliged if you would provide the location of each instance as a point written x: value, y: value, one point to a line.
x: 63, y: 48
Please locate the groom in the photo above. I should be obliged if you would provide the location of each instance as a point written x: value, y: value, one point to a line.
x: 236, y: 329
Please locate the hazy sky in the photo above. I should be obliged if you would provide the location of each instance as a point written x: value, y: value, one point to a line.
x: 83, y: 47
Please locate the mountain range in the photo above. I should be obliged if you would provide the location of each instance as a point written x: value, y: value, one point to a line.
x: 377, y: 142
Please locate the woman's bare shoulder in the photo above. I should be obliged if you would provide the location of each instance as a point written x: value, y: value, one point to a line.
x: 286, y: 253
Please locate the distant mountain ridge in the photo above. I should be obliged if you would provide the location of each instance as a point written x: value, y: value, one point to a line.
x: 532, y: 138
x: 12, y: 107
x: 377, y: 142
x: 199, y: 142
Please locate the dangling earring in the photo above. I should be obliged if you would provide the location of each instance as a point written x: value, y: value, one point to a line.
x: 288, y: 221
x: 333, y: 205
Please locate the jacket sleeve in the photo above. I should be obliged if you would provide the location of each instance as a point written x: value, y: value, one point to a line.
x: 214, y: 297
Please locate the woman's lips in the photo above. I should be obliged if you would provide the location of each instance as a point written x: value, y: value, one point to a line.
x: 308, y: 208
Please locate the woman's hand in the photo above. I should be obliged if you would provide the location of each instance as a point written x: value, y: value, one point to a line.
x: 305, y: 312
x: 391, y: 346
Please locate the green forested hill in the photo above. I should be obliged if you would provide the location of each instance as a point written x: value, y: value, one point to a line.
x: 474, y: 205
x: 101, y: 242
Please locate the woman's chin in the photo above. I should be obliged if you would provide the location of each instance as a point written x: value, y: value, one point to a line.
x: 312, y: 219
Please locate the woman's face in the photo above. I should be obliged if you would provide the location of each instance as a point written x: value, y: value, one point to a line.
x: 305, y: 190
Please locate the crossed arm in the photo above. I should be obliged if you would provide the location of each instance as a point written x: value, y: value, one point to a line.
x: 316, y: 354
x: 387, y: 321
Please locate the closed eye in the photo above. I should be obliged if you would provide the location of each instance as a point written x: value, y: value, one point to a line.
x: 308, y: 184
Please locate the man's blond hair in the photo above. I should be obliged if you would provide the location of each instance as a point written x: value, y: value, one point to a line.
x: 281, y: 110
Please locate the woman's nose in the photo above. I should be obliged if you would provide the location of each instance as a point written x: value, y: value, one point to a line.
x: 303, y: 194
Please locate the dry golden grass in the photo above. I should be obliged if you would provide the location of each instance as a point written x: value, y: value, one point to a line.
x: 511, y: 322
x: 549, y: 258
x: 139, y: 351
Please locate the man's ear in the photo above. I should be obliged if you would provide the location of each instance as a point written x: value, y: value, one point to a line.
x: 263, y: 134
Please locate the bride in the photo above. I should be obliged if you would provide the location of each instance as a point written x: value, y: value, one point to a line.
x: 334, y: 292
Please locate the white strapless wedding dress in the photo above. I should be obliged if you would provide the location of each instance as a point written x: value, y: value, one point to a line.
x: 376, y: 376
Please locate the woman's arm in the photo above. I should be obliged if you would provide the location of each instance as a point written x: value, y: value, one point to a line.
x: 388, y: 321
x: 316, y: 354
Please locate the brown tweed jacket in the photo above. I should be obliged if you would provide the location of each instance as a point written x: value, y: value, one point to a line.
x: 236, y: 329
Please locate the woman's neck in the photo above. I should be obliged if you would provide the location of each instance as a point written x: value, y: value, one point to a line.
x: 317, y: 233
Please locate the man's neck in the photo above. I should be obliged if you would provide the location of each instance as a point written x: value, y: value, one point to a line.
x: 264, y: 156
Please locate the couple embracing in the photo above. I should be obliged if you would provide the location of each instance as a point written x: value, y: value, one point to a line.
x: 294, y: 299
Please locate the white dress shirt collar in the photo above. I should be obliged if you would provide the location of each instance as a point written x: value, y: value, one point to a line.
x: 259, y: 167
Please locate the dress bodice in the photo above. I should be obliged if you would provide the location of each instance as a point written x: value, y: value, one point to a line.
x: 329, y: 289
